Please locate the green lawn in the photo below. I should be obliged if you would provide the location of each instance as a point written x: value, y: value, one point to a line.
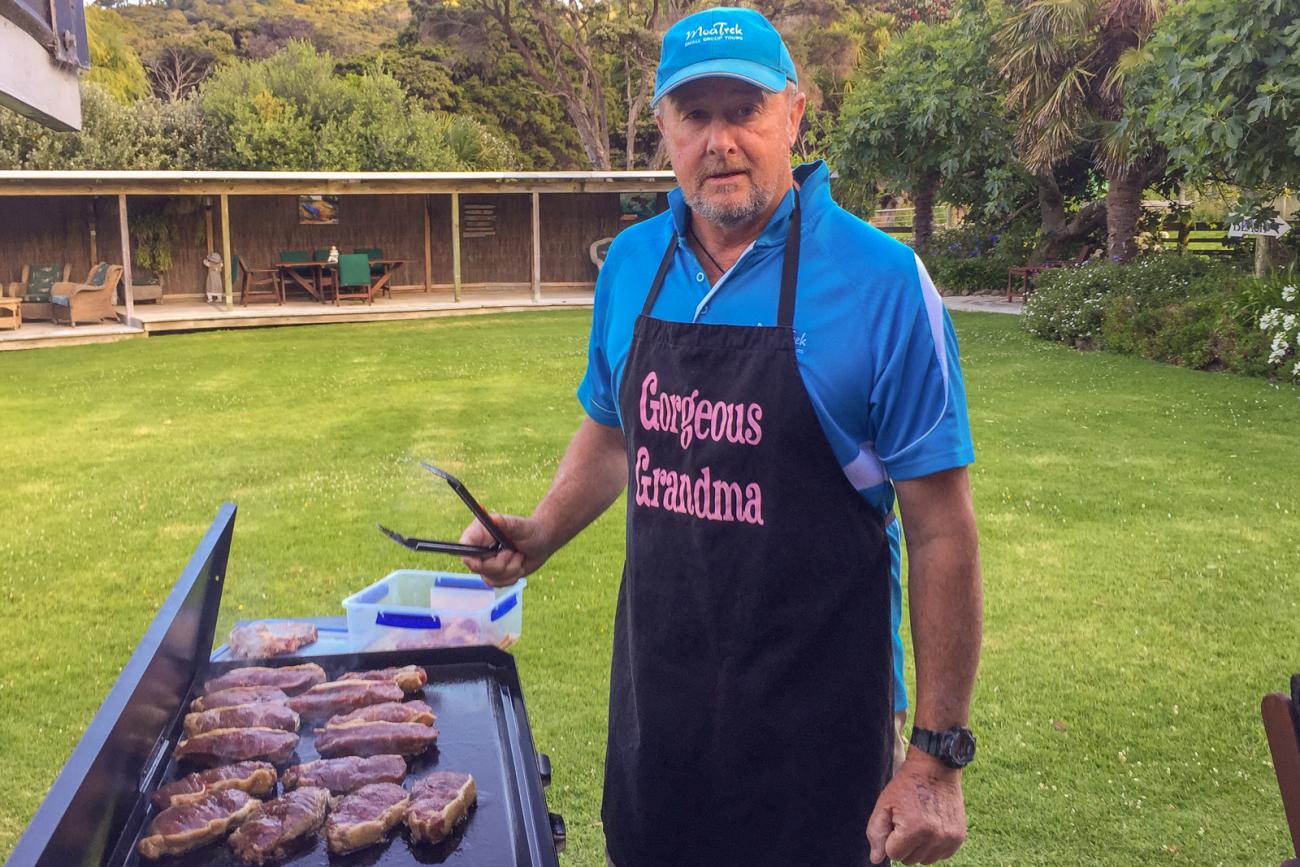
x: 1139, y: 536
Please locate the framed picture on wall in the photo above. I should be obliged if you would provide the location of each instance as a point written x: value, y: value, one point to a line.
x: 318, y: 210
x: 637, y: 206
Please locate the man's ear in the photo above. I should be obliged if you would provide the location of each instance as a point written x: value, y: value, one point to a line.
x: 798, y: 104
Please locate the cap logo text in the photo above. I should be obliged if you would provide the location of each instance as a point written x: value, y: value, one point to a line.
x: 718, y: 30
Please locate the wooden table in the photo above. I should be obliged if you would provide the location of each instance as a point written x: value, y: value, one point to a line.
x: 14, y: 307
x: 312, y: 281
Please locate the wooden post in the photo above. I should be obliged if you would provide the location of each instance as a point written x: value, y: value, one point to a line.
x: 428, y: 245
x: 226, y: 275
x: 207, y: 224
x: 125, y: 229
x: 537, y: 248
x: 455, y: 245
x: 94, y: 234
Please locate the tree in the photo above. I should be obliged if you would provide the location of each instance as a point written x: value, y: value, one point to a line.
x: 593, y: 58
x: 147, y: 134
x: 291, y: 112
x: 114, y: 65
x: 1065, y: 62
x: 1227, y: 99
x: 180, y: 62
x: 929, y: 120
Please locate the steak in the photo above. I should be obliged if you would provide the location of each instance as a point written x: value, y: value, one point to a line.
x: 365, y: 817
x: 292, y: 679
x: 260, y: 640
x: 238, y: 745
x: 260, y: 714
x: 411, y: 678
x: 277, y: 825
x: 376, y: 738
x: 189, y: 826
x: 438, y: 802
x: 255, y: 778
x: 346, y: 774
x: 327, y: 699
x: 389, y: 711
x: 238, y: 695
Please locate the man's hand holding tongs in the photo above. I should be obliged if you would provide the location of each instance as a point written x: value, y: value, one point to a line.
x: 527, y: 552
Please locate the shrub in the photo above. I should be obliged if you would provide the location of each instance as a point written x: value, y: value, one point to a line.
x: 1183, y: 310
x: 974, y: 257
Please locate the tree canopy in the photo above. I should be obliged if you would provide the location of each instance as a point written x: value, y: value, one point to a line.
x: 1227, y: 104
x: 929, y: 120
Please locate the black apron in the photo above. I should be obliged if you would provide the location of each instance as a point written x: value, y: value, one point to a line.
x: 750, y: 718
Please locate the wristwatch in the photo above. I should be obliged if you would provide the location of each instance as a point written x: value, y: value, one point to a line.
x: 954, y: 747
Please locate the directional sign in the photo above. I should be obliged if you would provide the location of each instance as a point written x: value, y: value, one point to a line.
x: 1268, y: 228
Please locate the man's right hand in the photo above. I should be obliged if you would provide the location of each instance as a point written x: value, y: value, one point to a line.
x: 528, y: 552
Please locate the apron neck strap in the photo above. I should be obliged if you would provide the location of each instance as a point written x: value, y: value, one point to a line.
x: 789, y: 271
x: 659, y: 276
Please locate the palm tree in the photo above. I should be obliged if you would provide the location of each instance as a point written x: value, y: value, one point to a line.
x: 1066, y: 63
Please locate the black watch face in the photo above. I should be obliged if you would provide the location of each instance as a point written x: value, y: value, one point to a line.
x: 963, y: 747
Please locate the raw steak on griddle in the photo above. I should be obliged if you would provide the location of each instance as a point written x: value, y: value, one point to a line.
x: 259, y: 714
x: 346, y: 774
x: 292, y: 679
x: 365, y: 817
x: 376, y: 738
x: 238, y: 695
x: 255, y: 778
x: 277, y: 825
x: 189, y: 826
x: 438, y: 802
x: 389, y: 711
x: 237, y: 745
x: 411, y: 678
x: 326, y: 699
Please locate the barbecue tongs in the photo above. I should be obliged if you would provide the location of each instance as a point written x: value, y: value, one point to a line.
x: 501, y: 541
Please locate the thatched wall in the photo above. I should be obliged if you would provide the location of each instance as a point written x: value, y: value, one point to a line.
x: 496, y: 242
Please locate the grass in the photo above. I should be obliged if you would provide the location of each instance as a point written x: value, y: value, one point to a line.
x: 1139, y: 527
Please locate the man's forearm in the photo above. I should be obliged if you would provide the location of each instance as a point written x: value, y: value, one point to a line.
x: 592, y: 474
x: 946, y: 601
x: 945, y: 598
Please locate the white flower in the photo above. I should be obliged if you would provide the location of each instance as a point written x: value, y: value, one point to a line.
x: 1270, y: 319
x: 1288, y: 322
x: 1295, y: 371
x: 1288, y: 293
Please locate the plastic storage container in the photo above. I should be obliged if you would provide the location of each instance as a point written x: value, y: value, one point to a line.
x: 412, y: 609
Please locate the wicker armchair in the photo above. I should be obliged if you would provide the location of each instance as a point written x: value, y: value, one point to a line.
x: 90, y: 301
x: 34, y: 289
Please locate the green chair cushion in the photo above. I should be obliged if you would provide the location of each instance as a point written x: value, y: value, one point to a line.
x: 40, y: 279
x: 99, y: 275
x: 354, y: 270
x: 294, y: 256
x: 320, y: 255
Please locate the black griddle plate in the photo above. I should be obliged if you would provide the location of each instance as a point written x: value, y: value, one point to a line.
x: 483, y: 730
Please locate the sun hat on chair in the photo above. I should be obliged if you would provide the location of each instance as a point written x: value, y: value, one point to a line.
x: 727, y: 42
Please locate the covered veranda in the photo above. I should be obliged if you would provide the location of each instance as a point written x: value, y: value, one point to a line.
x: 465, y: 242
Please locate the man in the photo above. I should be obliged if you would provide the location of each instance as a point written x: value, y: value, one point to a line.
x: 765, y: 371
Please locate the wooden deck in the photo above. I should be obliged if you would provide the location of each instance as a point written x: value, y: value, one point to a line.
x: 195, y: 315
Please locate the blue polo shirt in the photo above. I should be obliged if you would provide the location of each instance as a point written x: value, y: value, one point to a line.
x: 873, y: 340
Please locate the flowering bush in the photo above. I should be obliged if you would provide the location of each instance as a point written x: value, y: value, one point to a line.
x: 1282, y: 326
x: 1180, y: 309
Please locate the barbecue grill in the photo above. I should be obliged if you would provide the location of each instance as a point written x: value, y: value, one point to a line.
x: 98, y: 807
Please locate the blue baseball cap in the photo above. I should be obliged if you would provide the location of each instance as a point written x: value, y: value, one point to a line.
x: 727, y: 42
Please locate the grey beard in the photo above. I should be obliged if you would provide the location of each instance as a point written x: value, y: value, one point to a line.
x: 733, y: 215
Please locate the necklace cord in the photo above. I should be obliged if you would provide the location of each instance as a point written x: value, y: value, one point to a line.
x: 705, y: 250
